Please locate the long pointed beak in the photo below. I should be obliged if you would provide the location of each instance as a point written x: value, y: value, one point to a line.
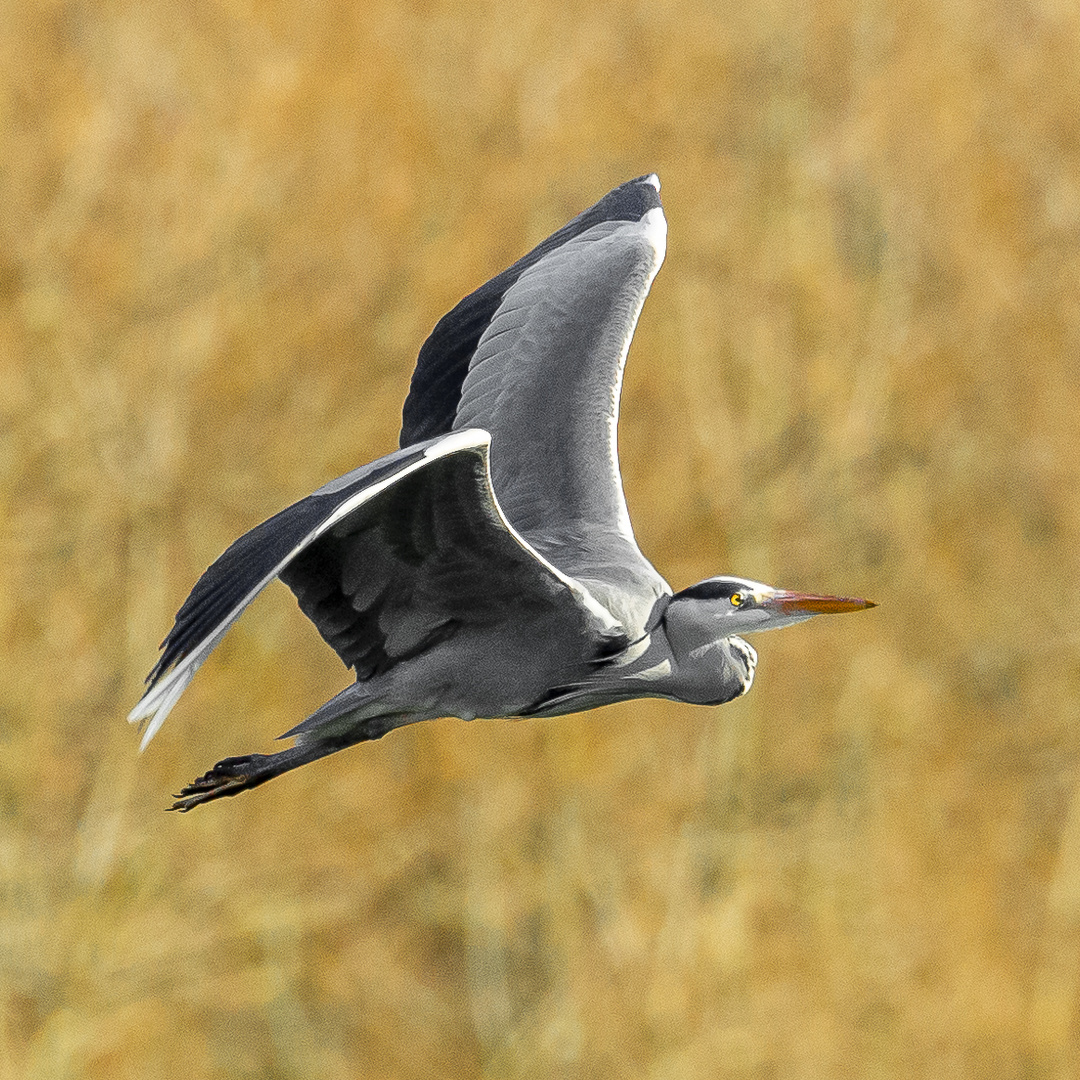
x: 797, y: 603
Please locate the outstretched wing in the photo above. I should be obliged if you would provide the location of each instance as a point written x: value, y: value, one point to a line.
x: 536, y: 358
x: 385, y: 561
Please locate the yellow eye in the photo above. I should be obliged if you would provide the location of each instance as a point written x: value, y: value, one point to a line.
x: 736, y: 599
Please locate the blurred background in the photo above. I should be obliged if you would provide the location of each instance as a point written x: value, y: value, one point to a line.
x: 227, y: 228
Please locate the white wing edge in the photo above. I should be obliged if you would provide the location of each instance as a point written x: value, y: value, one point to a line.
x: 156, y: 704
x: 655, y: 229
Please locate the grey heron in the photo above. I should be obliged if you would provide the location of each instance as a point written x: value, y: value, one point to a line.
x: 488, y: 568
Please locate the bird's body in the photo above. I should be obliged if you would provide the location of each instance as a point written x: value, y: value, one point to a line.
x: 488, y: 568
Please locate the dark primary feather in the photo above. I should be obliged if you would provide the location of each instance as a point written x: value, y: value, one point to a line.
x: 444, y: 358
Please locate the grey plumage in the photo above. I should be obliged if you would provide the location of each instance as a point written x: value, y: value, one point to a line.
x: 489, y: 568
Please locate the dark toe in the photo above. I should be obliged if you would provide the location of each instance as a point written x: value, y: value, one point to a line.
x: 228, y: 777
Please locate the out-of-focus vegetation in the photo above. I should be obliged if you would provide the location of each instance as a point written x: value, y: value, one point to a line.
x: 226, y: 230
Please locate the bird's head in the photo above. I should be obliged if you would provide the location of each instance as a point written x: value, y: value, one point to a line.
x: 740, y: 606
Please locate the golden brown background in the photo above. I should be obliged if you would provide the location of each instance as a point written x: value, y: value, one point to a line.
x: 225, y: 229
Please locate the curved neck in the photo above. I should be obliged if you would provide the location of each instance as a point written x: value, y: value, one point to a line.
x: 708, y: 666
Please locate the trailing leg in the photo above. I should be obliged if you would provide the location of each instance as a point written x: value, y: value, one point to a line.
x: 236, y: 774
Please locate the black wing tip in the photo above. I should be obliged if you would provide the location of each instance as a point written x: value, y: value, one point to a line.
x: 650, y: 179
x: 630, y: 201
x: 171, y: 656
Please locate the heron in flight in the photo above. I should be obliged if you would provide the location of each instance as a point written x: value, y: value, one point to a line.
x: 488, y: 567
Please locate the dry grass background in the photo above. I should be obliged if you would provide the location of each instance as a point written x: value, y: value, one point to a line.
x: 226, y: 229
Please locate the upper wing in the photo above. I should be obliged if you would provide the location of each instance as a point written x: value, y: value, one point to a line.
x: 536, y: 358
x: 384, y: 561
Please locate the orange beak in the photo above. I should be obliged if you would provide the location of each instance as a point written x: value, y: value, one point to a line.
x: 795, y: 603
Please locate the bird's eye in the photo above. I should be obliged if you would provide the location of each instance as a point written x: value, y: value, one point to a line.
x: 736, y: 599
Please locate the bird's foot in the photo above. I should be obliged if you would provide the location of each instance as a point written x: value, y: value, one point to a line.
x: 228, y: 777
